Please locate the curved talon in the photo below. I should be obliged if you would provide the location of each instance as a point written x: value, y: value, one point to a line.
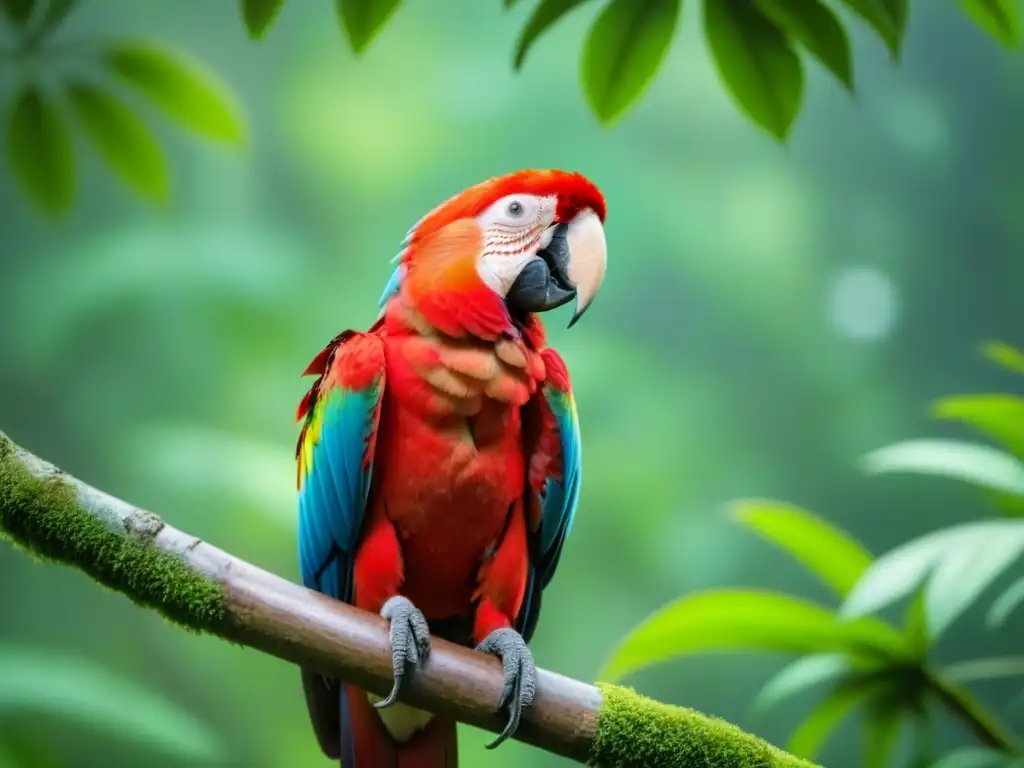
x: 410, y: 642
x: 520, y: 677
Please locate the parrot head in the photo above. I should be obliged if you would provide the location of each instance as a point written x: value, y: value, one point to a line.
x: 537, y: 242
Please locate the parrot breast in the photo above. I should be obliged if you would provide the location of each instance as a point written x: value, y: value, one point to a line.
x: 450, y: 465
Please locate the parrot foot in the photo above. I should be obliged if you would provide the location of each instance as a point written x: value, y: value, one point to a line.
x: 410, y: 642
x: 520, y: 676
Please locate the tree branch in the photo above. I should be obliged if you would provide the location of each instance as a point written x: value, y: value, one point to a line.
x: 58, y: 518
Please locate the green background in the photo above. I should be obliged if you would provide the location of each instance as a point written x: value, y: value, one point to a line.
x: 770, y: 314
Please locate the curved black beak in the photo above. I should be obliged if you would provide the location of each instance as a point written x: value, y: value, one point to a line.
x: 543, y: 283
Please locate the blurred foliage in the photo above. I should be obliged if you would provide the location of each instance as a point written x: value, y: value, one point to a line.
x: 45, y: 104
x: 49, y: 685
x: 755, y: 43
x: 771, y: 313
x: 865, y: 662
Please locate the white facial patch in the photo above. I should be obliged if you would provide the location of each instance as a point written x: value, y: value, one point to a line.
x: 515, y: 228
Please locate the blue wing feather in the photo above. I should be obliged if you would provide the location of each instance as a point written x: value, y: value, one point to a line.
x: 334, y: 492
x: 559, y: 499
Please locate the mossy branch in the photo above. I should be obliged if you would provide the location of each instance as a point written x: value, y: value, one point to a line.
x: 58, y: 518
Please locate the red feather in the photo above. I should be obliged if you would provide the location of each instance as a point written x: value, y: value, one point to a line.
x: 432, y: 747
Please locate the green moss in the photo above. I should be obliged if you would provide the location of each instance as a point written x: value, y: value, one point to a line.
x: 43, y: 517
x: 637, y: 732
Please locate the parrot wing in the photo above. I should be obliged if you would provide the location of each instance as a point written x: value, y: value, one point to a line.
x: 335, y: 457
x: 335, y: 468
x: 554, y: 451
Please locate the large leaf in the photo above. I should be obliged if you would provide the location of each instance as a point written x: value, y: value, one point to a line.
x: 1003, y: 355
x: 882, y: 727
x: 39, y: 151
x: 888, y: 18
x: 973, y: 757
x: 958, y: 563
x: 812, y: 734
x: 729, y: 619
x: 978, y: 464
x: 545, y: 15
x: 1006, y: 603
x: 180, y: 87
x: 76, y: 689
x: 813, y: 25
x: 363, y: 19
x: 121, y: 139
x: 829, y: 553
x: 961, y: 576
x: 1000, y: 18
x: 259, y: 15
x: 999, y: 416
x: 756, y: 62
x: 985, y: 669
x: 623, y: 51
x: 17, y: 11
x: 800, y: 675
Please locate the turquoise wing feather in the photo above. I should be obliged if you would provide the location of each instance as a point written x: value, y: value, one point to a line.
x: 557, y: 488
x: 335, y: 458
x: 561, y: 493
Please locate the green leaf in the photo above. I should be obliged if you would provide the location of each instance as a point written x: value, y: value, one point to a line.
x: 259, y: 15
x: 544, y: 16
x: 78, y: 690
x: 748, y: 619
x: 812, y: 734
x: 121, y: 139
x: 1006, y: 603
x: 978, y: 464
x: 17, y: 11
x: 813, y: 25
x: 760, y: 69
x: 959, y: 563
x: 888, y: 18
x: 363, y: 19
x: 998, y: 416
x: 800, y: 675
x: 1004, y: 356
x: 509, y: 3
x: 992, y: 668
x: 882, y: 728
x: 1000, y: 18
x: 961, y: 577
x: 915, y: 624
x: 623, y: 50
x: 39, y: 151
x: 972, y: 757
x: 828, y: 552
x: 180, y: 87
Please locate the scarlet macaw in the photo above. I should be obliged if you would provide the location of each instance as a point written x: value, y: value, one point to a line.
x: 439, y: 459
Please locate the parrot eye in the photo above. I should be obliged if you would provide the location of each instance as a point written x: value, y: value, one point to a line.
x: 516, y: 213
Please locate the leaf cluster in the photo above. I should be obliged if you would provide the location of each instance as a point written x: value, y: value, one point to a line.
x: 862, y: 662
x: 758, y: 46
x: 106, y: 100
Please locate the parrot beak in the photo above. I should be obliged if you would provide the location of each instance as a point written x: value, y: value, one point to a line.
x: 570, y: 265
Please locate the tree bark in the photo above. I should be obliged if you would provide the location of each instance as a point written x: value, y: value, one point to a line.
x: 203, y: 588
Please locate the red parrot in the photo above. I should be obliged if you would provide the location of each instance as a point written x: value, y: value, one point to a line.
x: 439, y: 457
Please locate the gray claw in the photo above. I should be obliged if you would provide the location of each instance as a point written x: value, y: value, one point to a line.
x: 410, y: 642
x: 520, y: 676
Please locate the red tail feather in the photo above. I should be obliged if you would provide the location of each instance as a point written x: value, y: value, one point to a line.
x: 432, y: 747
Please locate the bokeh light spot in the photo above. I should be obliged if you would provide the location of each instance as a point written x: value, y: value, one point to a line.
x: 862, y: 303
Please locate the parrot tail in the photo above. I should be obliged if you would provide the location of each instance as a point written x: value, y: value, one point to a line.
x: 398, y: 737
